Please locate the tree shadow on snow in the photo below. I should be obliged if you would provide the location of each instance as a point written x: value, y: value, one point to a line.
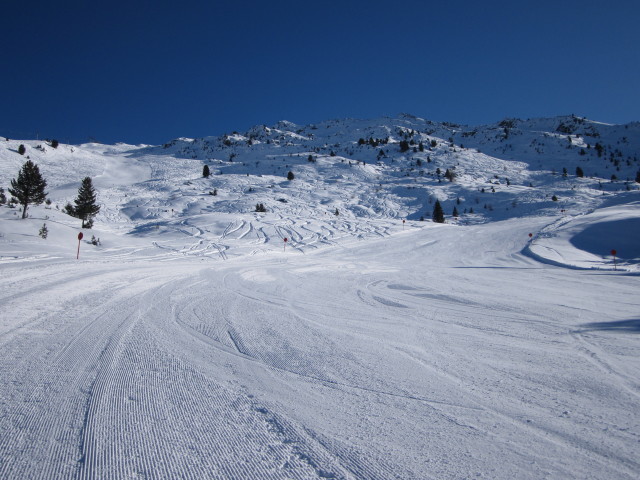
x: 631, y: 326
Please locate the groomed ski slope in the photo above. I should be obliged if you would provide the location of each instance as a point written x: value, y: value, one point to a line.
x: 441, y: 352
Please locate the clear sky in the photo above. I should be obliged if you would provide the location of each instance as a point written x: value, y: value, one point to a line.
x: 150, y: 71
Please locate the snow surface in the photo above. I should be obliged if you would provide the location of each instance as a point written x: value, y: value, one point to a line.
x: 191, y: 344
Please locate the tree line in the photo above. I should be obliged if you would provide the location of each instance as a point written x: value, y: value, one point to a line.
x: 29, y: 188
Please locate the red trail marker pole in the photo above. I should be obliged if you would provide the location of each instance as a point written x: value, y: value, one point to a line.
x: 79, y: 238
x: 614, y: 253
x: 285, y: 244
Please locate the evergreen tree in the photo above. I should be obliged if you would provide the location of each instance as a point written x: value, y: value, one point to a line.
x: 404, y: 146
x: 205, y: 171
x: 86, y: 207
x: 450, y: 175
x: 637, y: 177
x: 21, y: 149
x: 44, y: 231
x: 438, y: 213
x: 3, y: 197
x: 599, y: 148
x: 455, y: 212
x: 29, y: 187
x: 55, y: 143
x: 579, y: 172
x: 290, y: 176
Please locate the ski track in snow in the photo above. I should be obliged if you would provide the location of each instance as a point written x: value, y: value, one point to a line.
x: 197, y: 346
x: 375, y: 359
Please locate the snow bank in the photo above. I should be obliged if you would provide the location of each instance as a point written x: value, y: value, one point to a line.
x: 586, y: 241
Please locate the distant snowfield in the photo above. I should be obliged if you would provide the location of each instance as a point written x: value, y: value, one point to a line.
x: 193, y: 342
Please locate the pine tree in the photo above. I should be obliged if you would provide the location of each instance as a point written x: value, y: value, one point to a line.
x: 44, y: 231
x: 579, y: 172
x: 638, y: 177
x: 29, y: 187
x: 21, y: 149
x: 86, y: 207
x: 599, y: 149
x: 455, y: 212
x: 450, y: 175
x: 438, y: 213
x: 290, y: 176
x: 205, y: 171
x: 3, y: 197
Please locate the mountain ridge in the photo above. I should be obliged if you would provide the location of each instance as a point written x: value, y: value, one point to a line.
x: 351, y: 177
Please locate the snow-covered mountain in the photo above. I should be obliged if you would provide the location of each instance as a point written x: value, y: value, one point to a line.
x: 373, y: 173
x: 189, y: 340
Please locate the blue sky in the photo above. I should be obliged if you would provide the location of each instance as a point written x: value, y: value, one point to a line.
x: 150, y: 71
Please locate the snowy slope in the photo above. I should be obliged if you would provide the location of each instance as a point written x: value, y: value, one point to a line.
x: 434, y: 353
x: 357, y: 169
x: 191, y: 344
